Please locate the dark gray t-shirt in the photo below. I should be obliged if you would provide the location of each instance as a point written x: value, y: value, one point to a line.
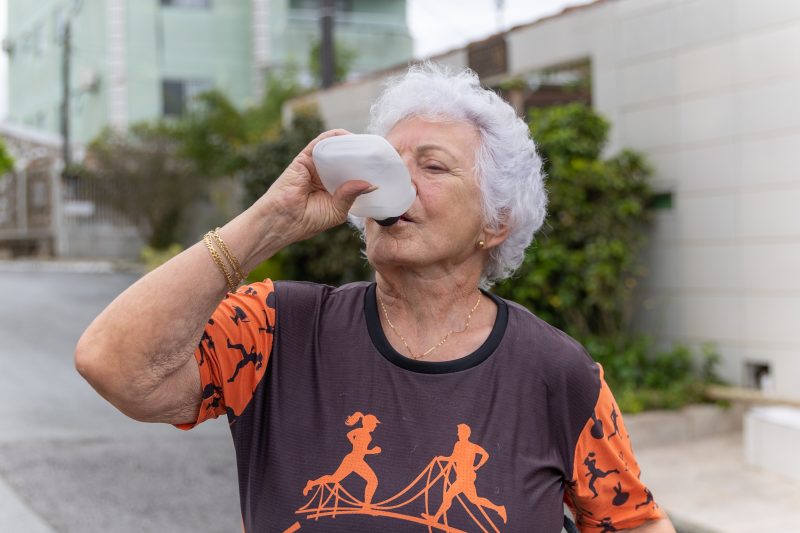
x: 336, y: 431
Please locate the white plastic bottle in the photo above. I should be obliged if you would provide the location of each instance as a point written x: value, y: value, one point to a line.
x: 370, y: 158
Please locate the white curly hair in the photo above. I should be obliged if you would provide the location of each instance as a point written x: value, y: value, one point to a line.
x: 508, y: 168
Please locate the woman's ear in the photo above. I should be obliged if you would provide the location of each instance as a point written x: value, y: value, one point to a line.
x: 495, y: 236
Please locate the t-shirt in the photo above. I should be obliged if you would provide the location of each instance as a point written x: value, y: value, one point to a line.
x: 335, y: 431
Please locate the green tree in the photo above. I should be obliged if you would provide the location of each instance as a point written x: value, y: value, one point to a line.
x: 211, y: 134
x: 214, y: 134
x: 139, y: 175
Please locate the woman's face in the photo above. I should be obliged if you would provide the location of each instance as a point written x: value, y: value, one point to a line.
x: 443, y: 225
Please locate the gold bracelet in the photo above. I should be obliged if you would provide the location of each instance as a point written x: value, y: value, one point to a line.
x: 228, y: 255
x: 218, y: 261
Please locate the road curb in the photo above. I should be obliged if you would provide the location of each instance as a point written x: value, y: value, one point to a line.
x: 70, y: 267
x: 15, y: 515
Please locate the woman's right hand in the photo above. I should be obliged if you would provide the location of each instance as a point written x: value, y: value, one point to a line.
x: 299, y: 197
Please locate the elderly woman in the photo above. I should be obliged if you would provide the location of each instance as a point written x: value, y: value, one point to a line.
x: 442, y: 364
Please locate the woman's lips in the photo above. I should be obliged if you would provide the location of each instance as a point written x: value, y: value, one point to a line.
x: 395, y: 221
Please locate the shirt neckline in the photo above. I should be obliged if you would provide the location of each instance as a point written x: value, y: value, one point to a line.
x: 385, y: 348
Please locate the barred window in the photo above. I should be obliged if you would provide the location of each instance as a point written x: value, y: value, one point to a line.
x: 204, y: 4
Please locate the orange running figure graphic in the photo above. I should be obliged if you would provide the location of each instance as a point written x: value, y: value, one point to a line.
x: 354, y: 461
x: 463, y: 461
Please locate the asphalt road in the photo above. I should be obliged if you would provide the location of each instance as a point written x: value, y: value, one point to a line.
x: 69, y: 462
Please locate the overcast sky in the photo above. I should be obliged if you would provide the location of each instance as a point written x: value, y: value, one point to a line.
x: 439, y: 25
x: 436, y: 25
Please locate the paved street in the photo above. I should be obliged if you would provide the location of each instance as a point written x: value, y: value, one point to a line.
x: 69, y: 462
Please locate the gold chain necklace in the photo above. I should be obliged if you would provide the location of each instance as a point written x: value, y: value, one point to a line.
x: 432, y: 348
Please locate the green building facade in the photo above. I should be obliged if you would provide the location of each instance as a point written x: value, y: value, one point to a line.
x: 134, y: 60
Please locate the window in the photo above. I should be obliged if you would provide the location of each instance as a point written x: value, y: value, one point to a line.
x: 204, y: 4
x: 177, y: 95
x: 341, y: 5
x: 661, y: 201
x: 172, y: 98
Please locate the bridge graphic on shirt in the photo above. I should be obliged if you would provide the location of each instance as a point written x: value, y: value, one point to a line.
x: 444, y: 481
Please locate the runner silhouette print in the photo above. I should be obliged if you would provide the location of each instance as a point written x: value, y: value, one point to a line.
x: 463, y: 461
x: 451, y: 476
x: 591, y: 464
x: 206, y: 343
x: 353, y: 462
x: 239, y: 315
x: 614, y: 417
x: 648, y: 501
x: 214, y: 393
x: 253, y: 356
x: 607, y: 525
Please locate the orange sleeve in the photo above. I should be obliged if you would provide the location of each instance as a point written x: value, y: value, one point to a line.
x: 605, y: 491
x: 233, y: 351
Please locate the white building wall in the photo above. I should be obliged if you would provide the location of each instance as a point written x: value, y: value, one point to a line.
x: 709, y: 90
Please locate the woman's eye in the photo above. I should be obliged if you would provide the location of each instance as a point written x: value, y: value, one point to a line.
x: 435, y: 168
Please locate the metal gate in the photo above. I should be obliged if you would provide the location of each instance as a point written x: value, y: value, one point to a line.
x: 42, y: 214
x: 29, y: 205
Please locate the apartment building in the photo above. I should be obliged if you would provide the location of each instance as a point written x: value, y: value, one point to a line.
x: 133, y: 60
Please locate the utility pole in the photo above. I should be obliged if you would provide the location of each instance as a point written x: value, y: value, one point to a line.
x: 65, y: 72
x: 499, y: 4
x: 327, y: 59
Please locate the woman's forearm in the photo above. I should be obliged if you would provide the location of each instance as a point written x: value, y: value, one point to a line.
x: 150, y: 331
x: 138, y: 352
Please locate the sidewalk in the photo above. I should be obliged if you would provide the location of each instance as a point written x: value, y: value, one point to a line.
x: 706, y: 487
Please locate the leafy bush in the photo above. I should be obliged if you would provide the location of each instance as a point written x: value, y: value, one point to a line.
x: 582, y: 272
x: 643, y: 378
x: 139, y: 175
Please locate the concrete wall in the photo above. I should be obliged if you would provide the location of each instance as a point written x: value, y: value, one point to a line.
x: 708, y: 90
